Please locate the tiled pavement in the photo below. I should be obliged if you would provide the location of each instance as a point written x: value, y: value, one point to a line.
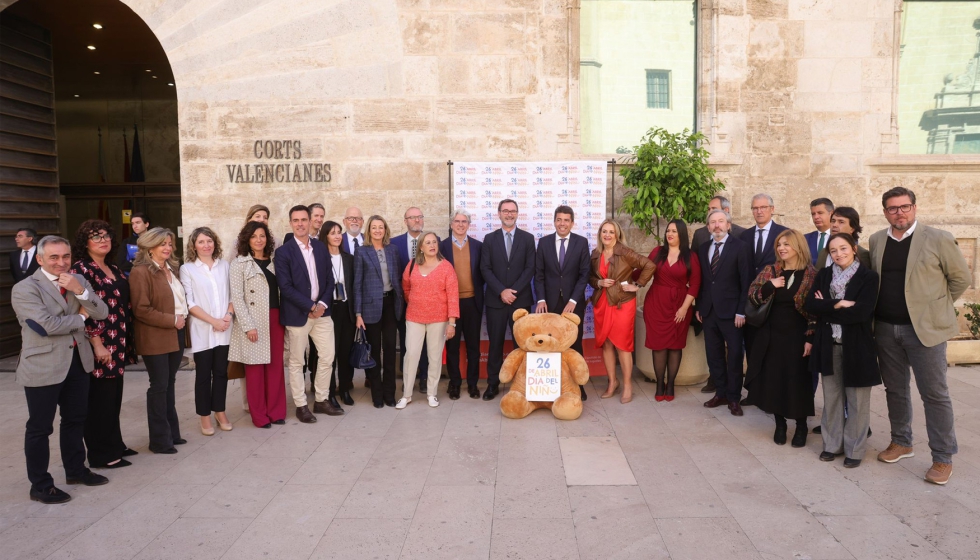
x: 642, y: 480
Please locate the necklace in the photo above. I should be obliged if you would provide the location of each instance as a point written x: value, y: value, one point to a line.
x: 792, y: 277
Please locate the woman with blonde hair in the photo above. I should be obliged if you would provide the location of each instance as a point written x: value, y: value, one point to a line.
x: 432, y: 299
x: 778, y: 377
x: 614, y: 302
x: 160, y: 313
x: 205, y: 281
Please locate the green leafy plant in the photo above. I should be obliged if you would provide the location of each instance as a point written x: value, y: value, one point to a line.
x: 973, y: 318
x: 668, y: 177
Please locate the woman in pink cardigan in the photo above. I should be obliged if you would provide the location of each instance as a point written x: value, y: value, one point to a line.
x: 432, y: 294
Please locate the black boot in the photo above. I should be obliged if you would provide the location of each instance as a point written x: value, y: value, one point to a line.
x: 799, y: 438
x: 780, y: 436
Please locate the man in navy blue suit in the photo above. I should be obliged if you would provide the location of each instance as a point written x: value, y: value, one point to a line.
x: 725, y: 279
x: 353, y: 238
x: 821, y: 210
x: 306, y: 288
x: 463, y: 252
x: 562, y: 267
x: 507, y: 264
x: 762, y: 237
x: 407, y: 245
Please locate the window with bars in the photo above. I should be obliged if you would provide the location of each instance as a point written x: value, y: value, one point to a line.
x: 658, y: 89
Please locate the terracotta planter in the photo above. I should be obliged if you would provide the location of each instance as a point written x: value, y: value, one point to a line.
x: 960, y: 352
x: 694, y: 365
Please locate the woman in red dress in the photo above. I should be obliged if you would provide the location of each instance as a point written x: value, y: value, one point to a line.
x: 667, y: 309
x: 614, y: 302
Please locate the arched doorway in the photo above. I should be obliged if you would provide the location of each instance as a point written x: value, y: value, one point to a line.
x: 88, y: 126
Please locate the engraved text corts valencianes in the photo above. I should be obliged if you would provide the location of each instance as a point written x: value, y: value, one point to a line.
x: 278, y: 171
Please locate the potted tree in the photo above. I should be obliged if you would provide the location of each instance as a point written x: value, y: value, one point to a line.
x: 667, y: 177
x: 966, y: 349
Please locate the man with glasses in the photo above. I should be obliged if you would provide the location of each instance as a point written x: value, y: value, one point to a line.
x: 921, y: 273
x: 353, y: 222
x: 463, y: 252
x: 22, y: 261
x: 761, y: 237
x: 507, y: 264
x: 408, y: 244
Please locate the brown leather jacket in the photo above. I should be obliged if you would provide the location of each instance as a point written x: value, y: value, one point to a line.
x: 621, y: 267
x: 153, y: 311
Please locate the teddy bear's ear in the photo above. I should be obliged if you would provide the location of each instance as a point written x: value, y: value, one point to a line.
x: 520, y: 313
x: 571, y: 317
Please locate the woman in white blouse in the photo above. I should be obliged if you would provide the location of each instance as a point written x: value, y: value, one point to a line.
x: 205, y: 281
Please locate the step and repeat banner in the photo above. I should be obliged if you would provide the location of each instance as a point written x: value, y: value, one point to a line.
x: 538, y: 188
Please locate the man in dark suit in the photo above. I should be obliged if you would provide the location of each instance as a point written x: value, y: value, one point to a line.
x: 463, y: 252
x: 725, y: 282
x: 306, y: 290
x: 55, y: 359
x: 139, y: 223
x: 353, y: 222
x: 507, y: 264
x: 408, y: 245
x: 821, y: 210
x: 762, y: 237
x: 702, y: 234
x: 844, y: 220
x: 22, y: 261
x: 561, y: 273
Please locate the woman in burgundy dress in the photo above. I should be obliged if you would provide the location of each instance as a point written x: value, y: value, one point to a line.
x: 667, y: 309
x: 94, y: 252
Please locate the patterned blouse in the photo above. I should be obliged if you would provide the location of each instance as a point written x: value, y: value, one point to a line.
x: 114, y: 329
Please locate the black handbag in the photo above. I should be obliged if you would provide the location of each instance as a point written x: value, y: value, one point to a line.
x: 757, y: 315
x: 360, y: 353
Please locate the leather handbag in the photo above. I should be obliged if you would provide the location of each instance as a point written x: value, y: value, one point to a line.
x: 236, y: 370
x: 360, y: 353
x: 757, y: 315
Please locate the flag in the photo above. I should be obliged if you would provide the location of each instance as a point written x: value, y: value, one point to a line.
x: 102, y: 174
x: 136, y: 173
x: 126, y: 177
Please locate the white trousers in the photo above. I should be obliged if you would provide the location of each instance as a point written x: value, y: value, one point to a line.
x: 434, y: 337
x: 321, y: 331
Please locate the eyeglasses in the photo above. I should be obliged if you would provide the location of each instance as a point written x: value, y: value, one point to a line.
x: 508, y: 211
x: 100, y: 237
x: 353, y: 219
x: 416, y: 218
x: 760, y: 208
x: 905, y: 208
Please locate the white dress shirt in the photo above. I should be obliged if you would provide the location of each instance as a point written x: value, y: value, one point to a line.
x: 30, y: 256
x: 208, y: 289
x: 307, y: 252
x: 337, y: 263
x: 350, y: 241
x: 764, y: 231
x: 905, y: 235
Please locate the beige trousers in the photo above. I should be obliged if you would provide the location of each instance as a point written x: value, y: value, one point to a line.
x: 434, y: 336
x: 321, y: 331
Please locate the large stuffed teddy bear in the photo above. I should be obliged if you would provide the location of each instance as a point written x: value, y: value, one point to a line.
x: 544, y: 332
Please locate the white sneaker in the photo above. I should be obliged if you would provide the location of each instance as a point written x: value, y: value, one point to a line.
x: 402, y: 403
x: 433, y: 402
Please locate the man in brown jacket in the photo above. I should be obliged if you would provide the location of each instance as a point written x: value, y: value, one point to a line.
x: 921, y: 272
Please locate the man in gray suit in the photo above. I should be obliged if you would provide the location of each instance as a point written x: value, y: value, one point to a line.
x: 55, y: 361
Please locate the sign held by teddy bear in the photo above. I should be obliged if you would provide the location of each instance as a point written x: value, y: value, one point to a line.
x: 542, y: 365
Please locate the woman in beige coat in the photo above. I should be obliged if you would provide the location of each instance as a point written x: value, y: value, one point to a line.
x: 257, y: 337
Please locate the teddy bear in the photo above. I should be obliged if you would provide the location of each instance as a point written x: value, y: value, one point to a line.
x: 544, y: 332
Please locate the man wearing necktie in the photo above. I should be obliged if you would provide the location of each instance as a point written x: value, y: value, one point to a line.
x: 507, y: 263
x: 55, y: 361
x: 22, y: 261
x: 562, y: 271
x: 821, y: 210
x: 408, y: 245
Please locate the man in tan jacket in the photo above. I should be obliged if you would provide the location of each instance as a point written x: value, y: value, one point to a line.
x: 921, y: 272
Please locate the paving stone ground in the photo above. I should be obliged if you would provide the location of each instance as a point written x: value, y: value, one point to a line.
x: 641, y: 480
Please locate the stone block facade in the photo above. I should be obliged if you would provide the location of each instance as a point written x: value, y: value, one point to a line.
x: 798, y: 98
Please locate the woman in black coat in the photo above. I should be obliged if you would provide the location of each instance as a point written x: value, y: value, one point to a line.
x: 843, y: 299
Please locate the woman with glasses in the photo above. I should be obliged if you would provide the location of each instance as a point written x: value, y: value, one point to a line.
x: 112, y: 340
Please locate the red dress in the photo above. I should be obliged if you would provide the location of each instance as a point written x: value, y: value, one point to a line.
x: 671, y: 284
x: 614, y: 323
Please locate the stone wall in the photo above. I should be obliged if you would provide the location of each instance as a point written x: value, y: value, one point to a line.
x: 797, y: 96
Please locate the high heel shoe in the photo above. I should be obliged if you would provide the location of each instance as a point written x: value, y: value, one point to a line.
x: 626, y: 398
x: 669, y: 393
x: 661, y: 394
x: 207, y: 431
x: 610, y: 391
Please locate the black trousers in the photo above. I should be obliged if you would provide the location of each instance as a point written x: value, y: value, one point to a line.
x: 468, y: 327
x: 381, y: 337
x: 499, y: 319
x: 161, y: 409
x: 211, y: 380
x: 103, y: 436
x: 71, y: 396
x: 343, y: 340
x: 312, y: 360
x: 723, y: 350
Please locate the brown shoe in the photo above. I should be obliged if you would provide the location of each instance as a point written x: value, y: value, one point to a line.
x: 304, y: 415
x: 735, y: 409
x: 715, y: 402
x: 328, y: 408
x: 939, y: 473
x: 895, y: 452
x: 709, y: 387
